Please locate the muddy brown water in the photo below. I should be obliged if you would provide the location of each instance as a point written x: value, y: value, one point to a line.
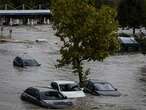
x: 126, y: 72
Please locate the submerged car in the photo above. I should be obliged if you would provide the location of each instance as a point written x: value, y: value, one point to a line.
x: 100, y: 88
x: 70, y: 89
x: 45, y: 97
x: 22, y: 62
x: 41, y: 40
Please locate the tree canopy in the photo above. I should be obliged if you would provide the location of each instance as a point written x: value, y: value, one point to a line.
x: 144, y: 14
x: 130, y: 13
x: 87, y: 33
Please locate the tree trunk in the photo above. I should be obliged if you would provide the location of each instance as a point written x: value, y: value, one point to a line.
x: 133, y: 30
x: 80, y: 72
x: 81, y: 79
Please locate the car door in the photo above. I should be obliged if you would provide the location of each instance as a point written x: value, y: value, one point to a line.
x: 36, y: 97
x: 87, y: 89
x: 90, y: 87
x: 32, y: 95
x: 28, y: 94
x: 58, y: 99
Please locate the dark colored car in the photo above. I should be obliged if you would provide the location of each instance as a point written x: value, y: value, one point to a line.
x: 100, y: 88
x: 45, y: 97
x: 22, y: 62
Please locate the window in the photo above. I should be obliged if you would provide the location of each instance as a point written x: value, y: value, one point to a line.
x: 69, y: 87
x: 90, y: 86
x: 51, y: 95
x: 33, y: 92
x: 30, y: 62
x: 104, y: 87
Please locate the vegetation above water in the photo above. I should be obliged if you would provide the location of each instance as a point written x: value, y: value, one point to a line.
x: 87, y: 32
x: 87, y: 27
x: 132, y: 14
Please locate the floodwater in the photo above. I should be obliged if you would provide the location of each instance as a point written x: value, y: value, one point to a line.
x: 126, y: 72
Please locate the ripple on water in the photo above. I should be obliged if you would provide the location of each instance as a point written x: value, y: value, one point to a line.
x: 126, y: 72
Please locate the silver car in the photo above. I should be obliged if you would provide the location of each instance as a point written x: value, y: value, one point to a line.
x: 46, y: 97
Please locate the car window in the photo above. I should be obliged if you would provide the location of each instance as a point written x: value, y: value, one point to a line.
x: 33, y: 92
x: 30, y: 62
x: 69, y: 87
x: 19, y: 60
x: 90, y: 86
x: 51, y: 95
x: 104, y: 87
x: 29, y: 91
x: 124, y: 35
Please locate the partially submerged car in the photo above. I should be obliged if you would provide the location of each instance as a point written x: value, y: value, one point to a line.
x: 41, y: 40
x: 46, y: 97
x: 70, y: 89
x: 22, y: 62
x: 100, y: 88
x: 128, y: 43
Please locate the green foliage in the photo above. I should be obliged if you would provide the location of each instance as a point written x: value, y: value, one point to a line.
x: 144, y: 14
x: 130, y: 13
x: 87, y: 33
x: 99, y: 3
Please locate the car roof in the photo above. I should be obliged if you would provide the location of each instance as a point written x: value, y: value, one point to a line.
x: 41, y: 88
x: 64, y: 82
x: 98, y: 81
x: 25, y: 56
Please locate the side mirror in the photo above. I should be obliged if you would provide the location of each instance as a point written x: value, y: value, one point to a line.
x: 65, y: 97
x: 54, y: 86
x: 116, y: 89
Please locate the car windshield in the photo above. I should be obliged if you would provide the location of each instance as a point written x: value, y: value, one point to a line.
x: 51, y: 95
x: 30, y: 62
x: 69, y: 87
x: 104, y: 87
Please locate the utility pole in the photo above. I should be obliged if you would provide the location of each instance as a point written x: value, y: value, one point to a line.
x: 40, y: 6
x: 10, y: 31
x: 11, y: 22
x: 23, y: 6
x: 6, y: 6
x: 2, y: 29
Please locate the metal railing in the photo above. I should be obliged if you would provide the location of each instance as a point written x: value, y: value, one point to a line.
x: 23, y: 7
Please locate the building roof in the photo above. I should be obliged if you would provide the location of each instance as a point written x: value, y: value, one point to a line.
x: 23, y: 12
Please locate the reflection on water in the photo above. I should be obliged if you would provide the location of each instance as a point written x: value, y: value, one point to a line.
x: 126, y: 72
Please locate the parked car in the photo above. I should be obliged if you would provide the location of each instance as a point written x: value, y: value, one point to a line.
x: 100, y: 88
x: 22, y: 62
x: 70, y: 89
x: 45, y: 97
x: 128, y: 44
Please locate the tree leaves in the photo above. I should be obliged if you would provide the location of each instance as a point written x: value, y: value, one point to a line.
x: 131, y: 13
x: 88, y: 33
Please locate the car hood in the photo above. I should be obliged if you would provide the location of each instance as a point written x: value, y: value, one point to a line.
x: 74, y: 94
x: 109, y: 93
